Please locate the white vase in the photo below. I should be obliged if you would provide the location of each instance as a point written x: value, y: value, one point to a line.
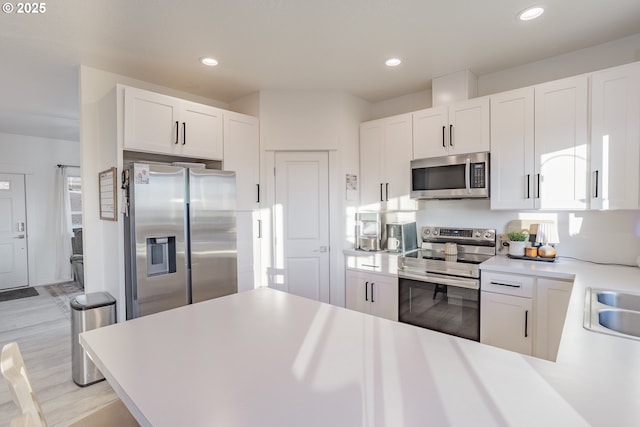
x: 517, y: 248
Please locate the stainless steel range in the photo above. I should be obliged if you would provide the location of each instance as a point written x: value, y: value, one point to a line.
x: 439, y: 284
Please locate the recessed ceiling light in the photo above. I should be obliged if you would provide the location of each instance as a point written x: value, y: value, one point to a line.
x: 531, y: 13
x: 209, y: 61
x: 393, y: 62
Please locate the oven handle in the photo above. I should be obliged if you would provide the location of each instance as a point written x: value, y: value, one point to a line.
x: 467, y: 178
x: 441, y: 280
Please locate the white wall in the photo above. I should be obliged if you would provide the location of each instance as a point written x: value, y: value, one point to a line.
x: 612, y: 237
x: 38, y: 158
x: 320, y: 121
x: 618, y: 52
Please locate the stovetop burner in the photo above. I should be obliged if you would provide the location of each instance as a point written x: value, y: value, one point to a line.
x: 430, y: 254
x: 472, y: 247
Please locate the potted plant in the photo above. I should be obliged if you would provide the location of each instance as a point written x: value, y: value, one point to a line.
x: 518, y: 240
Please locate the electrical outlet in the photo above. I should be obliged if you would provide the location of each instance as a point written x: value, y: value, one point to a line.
x: 502, y: 242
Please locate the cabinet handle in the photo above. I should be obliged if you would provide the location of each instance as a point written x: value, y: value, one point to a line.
x: 528, y: 186
x: 387, y: 191
x: 506, y: 284
x: 372, y: 300
x: 526, y: 323
x: 259, y: 229
x: 184, y: 133
x: 381, y: 198
x: 366, y: 291
x: 538, y: 178
x: 451, y: 135
x: 596, y: 173
x: 443, y: 129
x: 258, y: 199
x: 177, y: 131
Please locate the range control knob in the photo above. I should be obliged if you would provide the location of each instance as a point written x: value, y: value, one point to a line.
x: 488, y: 235
x: 435, y: 232
x: 478, y: 233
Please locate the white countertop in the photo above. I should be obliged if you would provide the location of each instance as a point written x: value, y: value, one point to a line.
x: 267, y: 358
x: 380, y: 262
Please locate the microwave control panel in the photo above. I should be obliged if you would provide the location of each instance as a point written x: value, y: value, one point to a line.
x: 478, y: 174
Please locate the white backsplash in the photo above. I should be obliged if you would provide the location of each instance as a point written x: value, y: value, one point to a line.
x: 599, y: 236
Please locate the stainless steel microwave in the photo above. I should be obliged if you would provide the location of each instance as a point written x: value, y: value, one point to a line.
x: 461, y: 176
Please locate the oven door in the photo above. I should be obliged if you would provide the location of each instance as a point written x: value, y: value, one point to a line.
x: 442, y: 303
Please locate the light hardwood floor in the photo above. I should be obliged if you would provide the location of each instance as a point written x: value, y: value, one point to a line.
x: 41, y: 325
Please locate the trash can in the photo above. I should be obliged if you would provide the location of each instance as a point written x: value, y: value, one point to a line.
x: 88, y: 311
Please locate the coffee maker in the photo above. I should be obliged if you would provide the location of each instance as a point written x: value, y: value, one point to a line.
x: 368, y: 231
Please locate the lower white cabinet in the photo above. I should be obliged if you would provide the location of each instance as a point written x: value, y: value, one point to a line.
x: 372, y: 293
x: 506, y: 312
x: 552, y: 300
x: 523, y: 313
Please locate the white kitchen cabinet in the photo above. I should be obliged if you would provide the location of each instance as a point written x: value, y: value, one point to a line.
x: 385, y: 157
x: 242, y: 155
x: 561, y: 141
x: 372, y: 293
x: 615, y: 138
x: 161, y: 124
x: 539, y: 141
x: 552, y: 300
x: 512, y: 148
x: 460, y: 128
x: 523, y: 313
x: 506, y: 312
x: 248, y: 249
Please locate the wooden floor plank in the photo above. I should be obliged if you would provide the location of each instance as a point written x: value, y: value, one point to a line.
x: 41, y: 325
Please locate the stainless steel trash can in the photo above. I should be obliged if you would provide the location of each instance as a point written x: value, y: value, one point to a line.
x: 88, y: 311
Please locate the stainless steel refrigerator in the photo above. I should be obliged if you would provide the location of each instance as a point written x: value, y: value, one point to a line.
x: 180, y: 236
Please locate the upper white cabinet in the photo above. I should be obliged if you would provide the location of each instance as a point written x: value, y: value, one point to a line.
x: 561, y: 140
x: 163, y: 124
x: 615, y: 137
x: 459, y: 128
x: 242, y: 155
x: 512, y: 148
x: 385, y: 157
x: 539, y: 140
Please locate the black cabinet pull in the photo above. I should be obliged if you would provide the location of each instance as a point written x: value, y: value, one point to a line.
x: 258, y: 200
x: 372, y: 300
x: 451, y: 135
x: 528, y: 186
x: 184, y: 133
x: 596, y: 194
x: 443, y: 128
x: 526, y: 323
x: 538, y: 177
x: 177, y: 131
x: 366, y: 291
x: 505, y: 284
x: 381, y: 198
x: 387, y: 191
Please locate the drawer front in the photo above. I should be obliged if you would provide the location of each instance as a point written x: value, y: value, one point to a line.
x: 507, y: 284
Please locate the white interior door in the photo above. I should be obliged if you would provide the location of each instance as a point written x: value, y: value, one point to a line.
x: 302, y: 223
x: 13, y: 235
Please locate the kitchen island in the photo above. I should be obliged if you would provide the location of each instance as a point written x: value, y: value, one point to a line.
x: 267, y: 358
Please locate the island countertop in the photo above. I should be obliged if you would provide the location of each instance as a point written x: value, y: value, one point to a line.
x: 267, y: 358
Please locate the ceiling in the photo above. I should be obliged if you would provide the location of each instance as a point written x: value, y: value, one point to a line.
x: 277, y: 44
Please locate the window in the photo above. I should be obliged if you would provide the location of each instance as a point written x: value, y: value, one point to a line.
x: 75, y: 200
